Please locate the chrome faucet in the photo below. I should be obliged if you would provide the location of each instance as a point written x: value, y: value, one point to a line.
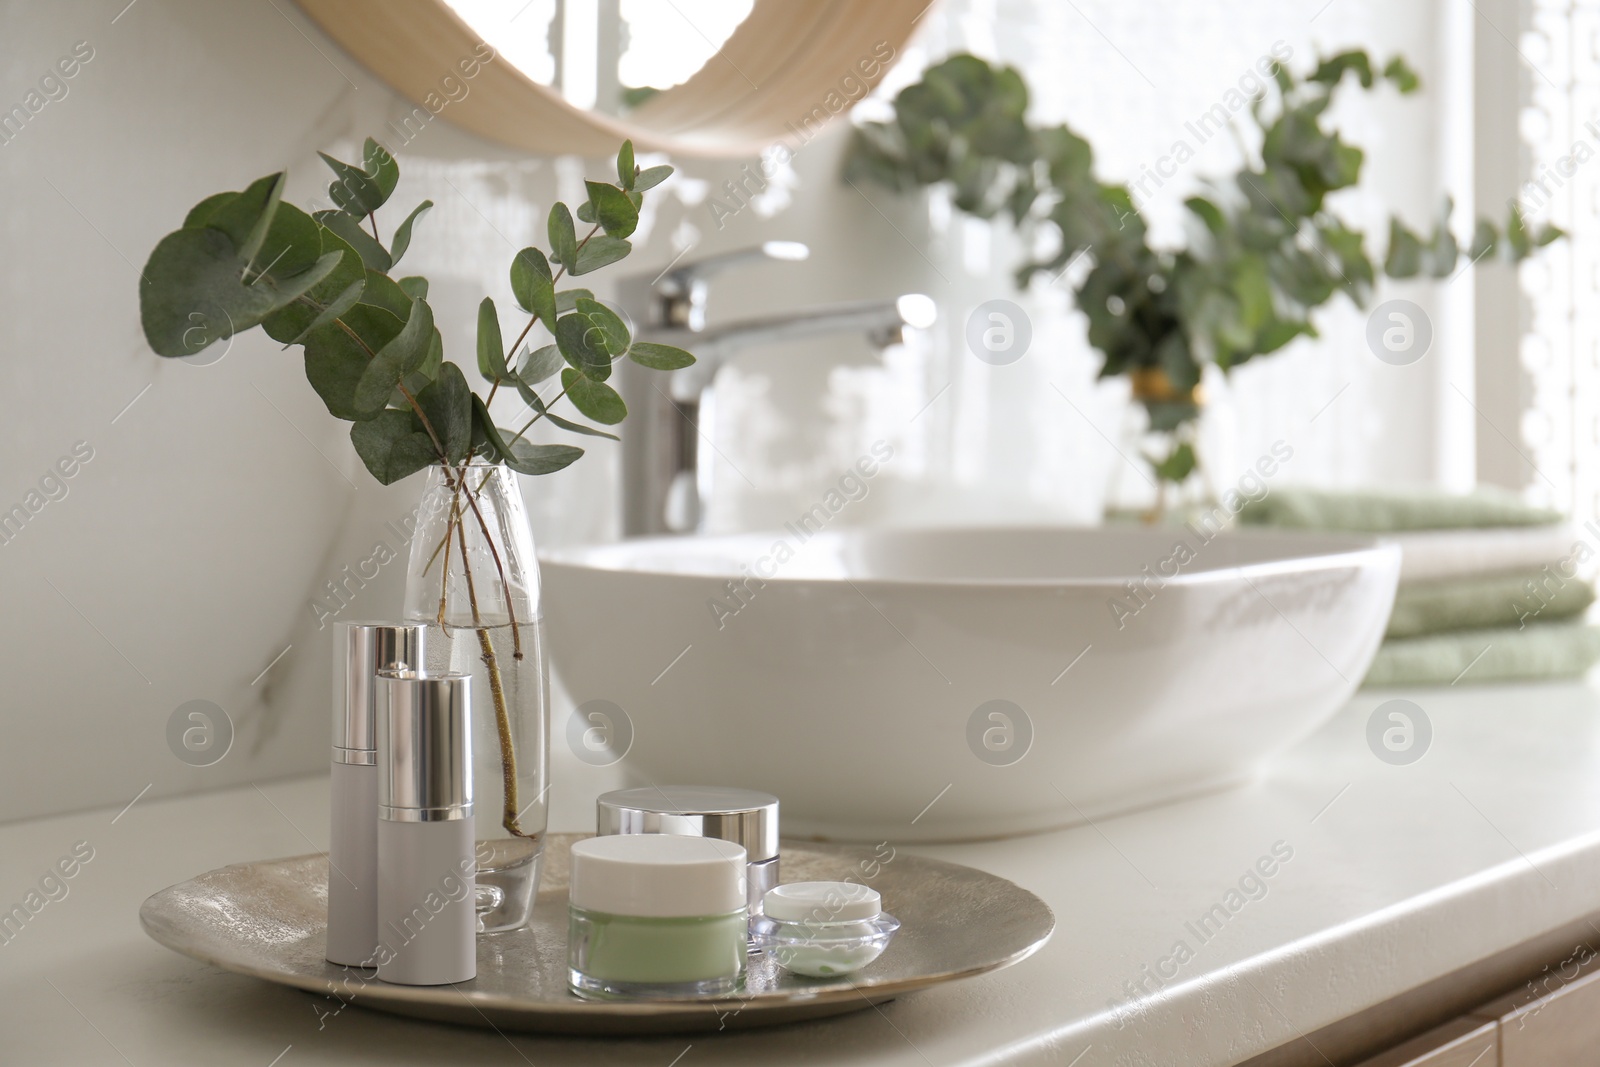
x: 664, y: 477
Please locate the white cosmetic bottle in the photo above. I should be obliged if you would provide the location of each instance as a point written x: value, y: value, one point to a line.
x: 427, y: 919
x: 360, y: 651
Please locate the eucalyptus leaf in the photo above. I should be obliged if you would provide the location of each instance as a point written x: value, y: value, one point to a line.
x: 1404, y: 259
x: 1517, y: 234
x: 1208, y: 213
x: 613, y: 332
x: 532, y: 285
x: 651, y: 177
x: 292, y: 323
x: 612, y: 209
x: 567, y: 299
x: 192, y: 292
x: 402, y: 233
x: 595, y: 399
x: 415, y: 287
x: 357, y: 193
x: 1485, y: 238
x: 384, y: 292
x: 373, y: 254
x: 246, y: 217
x: 583, y: 345
x: 541, y: 365
x: 529, y: 396
x: 626, y: 170
x: 1177, y: 466
x: 335, y: 359
x: 447, y: 402
x: 563, y: 236
x: 405, y: 353
x: 599, y: 251
x: 521, y: 456
x: 334, y: 363
x: 578, y: 427
x: 420, y: 377
x: 491, y: 348
x: 1400, y: 73
x: 532, y: 459
x: 201, y: 213
x: 392, y: 445
x: 1331, y: 70
x: 371, y: 326
x: 341, y: 304
x: 530, y: 260
x: 659, y: 357
x: 381, y: 165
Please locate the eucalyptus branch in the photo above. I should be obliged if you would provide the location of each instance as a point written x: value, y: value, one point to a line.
x: 508, y: 762
x: 495, y: 385
x: 1270, y: 249
x: 444, y: 572
x: 537, y: 415
x: 317, y: 261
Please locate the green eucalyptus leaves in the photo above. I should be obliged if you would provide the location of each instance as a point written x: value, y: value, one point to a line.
x: 327, y: 282
x: 1265, y: 250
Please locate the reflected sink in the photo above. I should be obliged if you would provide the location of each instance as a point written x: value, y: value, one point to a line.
x: 939, y: 685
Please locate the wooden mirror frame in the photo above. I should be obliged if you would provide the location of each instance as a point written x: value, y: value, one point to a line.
x: 787, y: 70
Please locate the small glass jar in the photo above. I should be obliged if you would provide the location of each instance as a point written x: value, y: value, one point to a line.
x: 824, y: 929
x: 656, y: 916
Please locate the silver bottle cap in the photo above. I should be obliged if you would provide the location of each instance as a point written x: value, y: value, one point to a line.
x: 360, y: 651
x: 425, y: 747
x: 744, y: 816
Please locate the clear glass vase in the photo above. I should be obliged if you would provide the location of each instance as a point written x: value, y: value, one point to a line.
x: 474, y: 581
x: 1157, y: 423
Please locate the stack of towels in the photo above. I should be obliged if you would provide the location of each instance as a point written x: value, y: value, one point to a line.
x: 1491, y: 589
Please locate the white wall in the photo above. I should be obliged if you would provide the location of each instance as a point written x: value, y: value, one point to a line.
x: 185, y: 556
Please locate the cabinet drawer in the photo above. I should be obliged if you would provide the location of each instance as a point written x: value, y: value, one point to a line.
x: 1468, y: 1042
x: 1558, y: 1030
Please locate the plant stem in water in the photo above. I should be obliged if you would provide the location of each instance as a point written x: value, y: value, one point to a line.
x: 508, y: 760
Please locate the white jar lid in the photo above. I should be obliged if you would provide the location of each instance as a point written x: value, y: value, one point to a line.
x: 657, y: 876
x: 824, y: 902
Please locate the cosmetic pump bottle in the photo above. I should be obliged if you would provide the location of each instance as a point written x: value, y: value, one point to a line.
x: 360, y: 651
x: 427, y: 919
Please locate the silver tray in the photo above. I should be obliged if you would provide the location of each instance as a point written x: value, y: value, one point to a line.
x: 268, y: 920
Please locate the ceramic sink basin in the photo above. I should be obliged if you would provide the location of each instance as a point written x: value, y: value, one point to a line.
x: 958, y: 684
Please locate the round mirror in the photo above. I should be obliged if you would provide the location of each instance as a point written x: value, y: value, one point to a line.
x: 693, y: 77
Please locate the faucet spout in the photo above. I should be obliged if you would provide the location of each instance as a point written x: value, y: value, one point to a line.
x: 883, y: 322
x: 664, y: 476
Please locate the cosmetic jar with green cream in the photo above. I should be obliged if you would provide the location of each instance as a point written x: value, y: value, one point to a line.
x: 656, y: 916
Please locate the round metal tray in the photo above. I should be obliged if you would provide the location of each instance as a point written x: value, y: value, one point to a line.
x: 268, y: 920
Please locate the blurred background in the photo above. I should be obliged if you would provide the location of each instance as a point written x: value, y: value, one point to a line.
x: 212, y: 501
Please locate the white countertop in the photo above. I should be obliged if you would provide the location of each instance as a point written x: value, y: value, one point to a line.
x: 1399, y: 874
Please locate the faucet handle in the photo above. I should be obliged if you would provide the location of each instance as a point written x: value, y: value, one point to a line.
x: 679, y: 292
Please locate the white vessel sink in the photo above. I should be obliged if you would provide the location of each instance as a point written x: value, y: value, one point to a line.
x: 857, y: 682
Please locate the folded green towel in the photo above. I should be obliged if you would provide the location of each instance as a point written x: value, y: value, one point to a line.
x: 1388, y: 510
x: 1506, y: 599
x: 1539, y: 652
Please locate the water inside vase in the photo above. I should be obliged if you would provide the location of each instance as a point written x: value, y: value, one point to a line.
x: 508, y: 863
